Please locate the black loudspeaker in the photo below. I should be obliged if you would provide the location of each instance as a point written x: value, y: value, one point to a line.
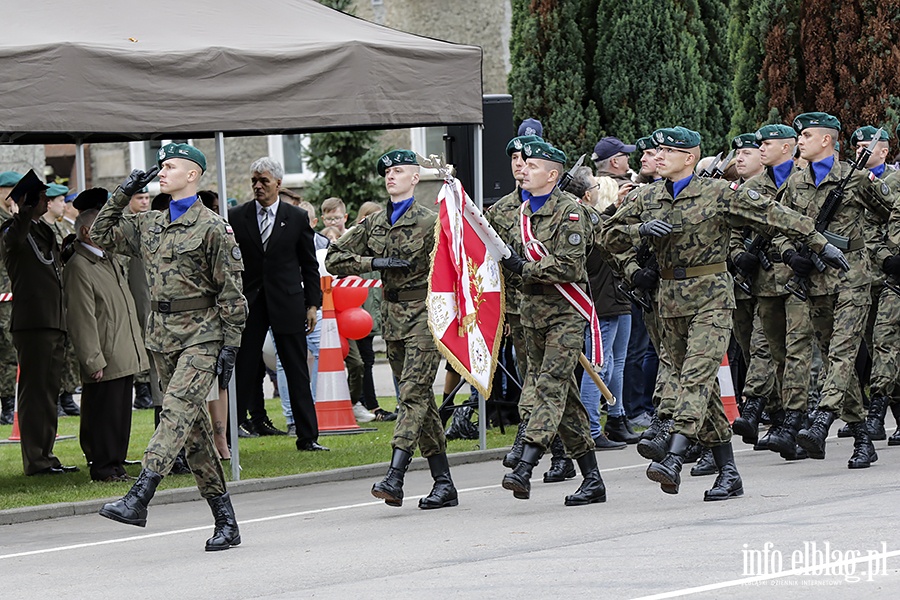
x: 459, y: 149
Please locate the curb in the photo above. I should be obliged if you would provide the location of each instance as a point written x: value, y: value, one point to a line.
x: 29, y: 514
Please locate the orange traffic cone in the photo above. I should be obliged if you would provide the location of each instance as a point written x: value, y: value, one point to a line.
x: 334, y: 410
x: 726, y: 388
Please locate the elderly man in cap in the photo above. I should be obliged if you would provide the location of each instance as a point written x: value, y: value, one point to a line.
x: 398, y: 242
x: 8, y: 362
x: 611, y: 159
x: 197, y: 313
x: 686, y: 221
x: 837, y: 301
x: 38, y: 324
x: 554, y: 236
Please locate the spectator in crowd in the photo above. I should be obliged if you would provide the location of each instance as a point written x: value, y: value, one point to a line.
x: 8, y: 362
x: 292, y: 197
x: 31, y: 256
x: 281, y: 283
x: 146, y: 384
x: 108, y: 343
x: 611, y: 159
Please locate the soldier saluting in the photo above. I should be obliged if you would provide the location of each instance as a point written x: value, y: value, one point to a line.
x: 197, y: 314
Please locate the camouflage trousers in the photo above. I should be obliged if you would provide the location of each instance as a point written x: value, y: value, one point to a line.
x: 763, y: 379
x: 517, y: 334
x: 550, y: 387
x: 838, y: 321
x: 663, y: 390
x: 187, y: 376
x: 886, y: 346
x: 696, y: 345
x: 414, y: 363
x: 8, y: 360
x: 788, y: 331
x: 71, y: 374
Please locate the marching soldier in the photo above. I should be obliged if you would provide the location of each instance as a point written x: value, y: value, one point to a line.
x: 398, y: 242
x: 687, y: 221
x: 194, y: 329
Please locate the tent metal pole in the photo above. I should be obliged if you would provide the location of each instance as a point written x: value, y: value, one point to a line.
x: 79, y: 165
x: 232, y: 389
x: 479, y: 202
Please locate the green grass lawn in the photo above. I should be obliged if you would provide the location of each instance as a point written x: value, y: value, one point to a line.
x: 260, y: 458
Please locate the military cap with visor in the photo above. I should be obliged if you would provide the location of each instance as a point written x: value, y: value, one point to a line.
x: 396, y: 158
x: 185, y: 151
x: 866, y: 133
x: 517, y: 143
x: 776, y: 131
x: 816, y: 119
x: 544, y: 151
x: 745, y: 140
x: 29, y: 187
x: 677, y: 137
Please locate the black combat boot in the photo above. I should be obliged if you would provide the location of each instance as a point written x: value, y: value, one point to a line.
x: 728, y: 484
x: 845, y: 432
x: 894, y: 440
x: 443, y: 493
x: 519, y: 480
x: 797, y: 454
x: 706, y: 465
x: 561, y: 467
x: 863, y: 450
x: 515, y: 453
x: 655, y: 449
x: 652, y: 431
x: 747, y: 425
x: 390, y: 489
x: 776, y: 420
x: 7, y: 410
x: 617, y: 430
x: 875, y: 419
x: 226, y: 533
x: 693, y: 453
x: 67, y: 404
x: 143, y: 399
x: 784, y: 439
x: 132, y: 508
x: 667, y: 472
x: 592, y: 490
x: 812, y: 439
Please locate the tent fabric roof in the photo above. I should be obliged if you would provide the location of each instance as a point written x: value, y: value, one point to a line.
x: 98, y: 71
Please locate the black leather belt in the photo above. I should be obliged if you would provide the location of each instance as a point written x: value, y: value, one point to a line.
x: 406, y: 295
x: 174, y: 306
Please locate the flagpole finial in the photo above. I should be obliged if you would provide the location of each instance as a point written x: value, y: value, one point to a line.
x: 436, y: 162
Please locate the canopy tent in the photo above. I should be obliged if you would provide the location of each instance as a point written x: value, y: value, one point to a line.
x: 101, y: 71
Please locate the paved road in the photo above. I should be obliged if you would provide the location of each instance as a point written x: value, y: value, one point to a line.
x: 333, y: 540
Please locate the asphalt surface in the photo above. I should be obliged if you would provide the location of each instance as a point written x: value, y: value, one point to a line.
x: 332, y: 539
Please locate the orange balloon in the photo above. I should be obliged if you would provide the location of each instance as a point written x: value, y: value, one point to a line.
x: 354, y: 323
x: 346, y: 297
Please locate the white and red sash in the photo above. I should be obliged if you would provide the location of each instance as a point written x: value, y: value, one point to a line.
x: 577, y: 297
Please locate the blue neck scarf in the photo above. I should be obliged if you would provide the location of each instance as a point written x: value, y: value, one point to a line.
x: 396, y: 209
x: 179, y: 207
x: 781, y: 172
x: 536, y: 201
x: 879, y: 170
x: 679, y: 185
x: 822, y: 168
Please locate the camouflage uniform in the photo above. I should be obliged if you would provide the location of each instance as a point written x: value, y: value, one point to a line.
x: 193, y: 258
x: 885, y: 341
x: 8, y: 361
x: 554, y: 330
x: 411, y: 351
x: 839, y: 301
x: 696, y: 296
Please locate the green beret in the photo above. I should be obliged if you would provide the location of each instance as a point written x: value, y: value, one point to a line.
x: 185, y: 151
x: 543, y: 150
x: 9, y: 178
x: 866, y: 133
x: 54, y: 190
x: 396, y: 158
x: 775, y: 132
x: 745, y: 140
x: 816, y: 119
x: 678, y: 137
x: 646, y: 143
x: 517, y: 143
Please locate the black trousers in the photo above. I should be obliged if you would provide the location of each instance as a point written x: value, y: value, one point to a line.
x: 40, y: 353
x: 106, y: 425
x: 367, y: 353
x: 249, y: 373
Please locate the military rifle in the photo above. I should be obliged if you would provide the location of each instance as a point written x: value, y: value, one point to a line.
x: 567, y: 177
x: 799, y: 286
x: 645, y: 258
x: 720, y: 167
x: 890, y: 282
x: 756, y: 247
x: 708, y: 171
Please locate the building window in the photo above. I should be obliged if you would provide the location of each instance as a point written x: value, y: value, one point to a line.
x: 144, y: 156
x: 291, y: 151
x: 427, y: 140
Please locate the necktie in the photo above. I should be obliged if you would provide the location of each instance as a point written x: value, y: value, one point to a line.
x: 265, y: 227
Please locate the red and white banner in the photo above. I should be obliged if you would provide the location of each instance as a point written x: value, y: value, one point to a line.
x: 465, y: 293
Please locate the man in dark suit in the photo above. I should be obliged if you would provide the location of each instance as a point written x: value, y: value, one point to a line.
x: 281, y: 283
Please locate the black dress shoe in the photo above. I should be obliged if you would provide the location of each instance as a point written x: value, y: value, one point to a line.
x: 61, y: 469
x: 245, y: 430
x: 311, y: 446
x: 265, y: 427
x: 68, y: 405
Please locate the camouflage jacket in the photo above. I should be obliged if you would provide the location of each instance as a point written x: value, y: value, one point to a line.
x: 194, y: 256
x: 876, y: 230
x: 410, y: 238
x: 702, y: 218
x: 863, y: 192
x: 504, y: 218
x: 563, y: 227
x: 5, y: 284
x: 764, y: 283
